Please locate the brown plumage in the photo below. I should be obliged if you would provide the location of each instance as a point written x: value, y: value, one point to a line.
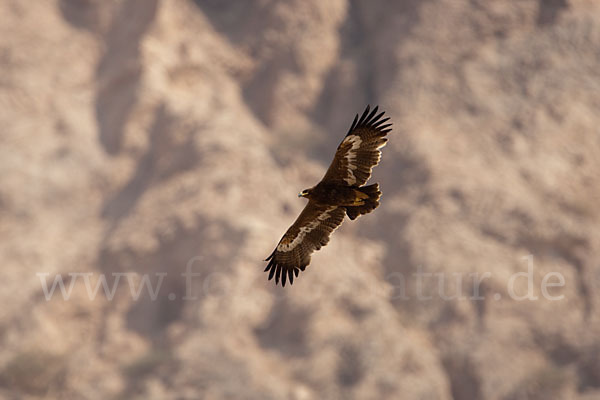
x: 341, y: 192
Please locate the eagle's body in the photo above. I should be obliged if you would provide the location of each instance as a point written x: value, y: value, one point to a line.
x: 341, y: 192
x: 331, y: 194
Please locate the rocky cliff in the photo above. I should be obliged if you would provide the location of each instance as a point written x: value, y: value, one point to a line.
x: 160, y: 139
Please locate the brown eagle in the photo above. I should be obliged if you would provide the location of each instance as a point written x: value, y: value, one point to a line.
x: 341, y: 192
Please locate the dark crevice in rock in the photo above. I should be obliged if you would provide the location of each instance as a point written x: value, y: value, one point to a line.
x: 550, y: 10
x: 176, y: 253
x: 164, y: 157
x: 285, y: 330
x: 119, y: 71
x: 465, y: 383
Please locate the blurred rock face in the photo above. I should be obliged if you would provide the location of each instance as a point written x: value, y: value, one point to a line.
x: 167, y: 140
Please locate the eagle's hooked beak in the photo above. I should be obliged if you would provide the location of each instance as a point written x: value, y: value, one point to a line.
x: 300, y: 194
x: 303, y: 193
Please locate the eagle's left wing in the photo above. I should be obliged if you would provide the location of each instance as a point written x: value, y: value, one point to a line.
x: 359, y: 152
x: 308, y: 233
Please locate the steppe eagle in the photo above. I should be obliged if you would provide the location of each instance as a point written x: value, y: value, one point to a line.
x: 341, y: 192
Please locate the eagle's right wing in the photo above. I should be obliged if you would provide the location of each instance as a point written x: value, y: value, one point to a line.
x: 308, y: 233
x: 359, y: 152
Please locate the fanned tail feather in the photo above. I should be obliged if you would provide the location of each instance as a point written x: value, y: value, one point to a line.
x: 370, y: 204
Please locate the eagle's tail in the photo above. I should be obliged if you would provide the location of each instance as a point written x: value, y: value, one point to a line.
x: 371, y: 203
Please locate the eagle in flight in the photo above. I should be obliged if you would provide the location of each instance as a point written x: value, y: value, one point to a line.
x: 341, y: 192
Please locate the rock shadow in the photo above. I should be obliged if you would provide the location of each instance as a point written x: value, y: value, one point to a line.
x: 177, y: 256
x: 163, y: 159
x: 285, y: 330
x: 360, y: 75
x: 550, y: 10
x: 119, y: 72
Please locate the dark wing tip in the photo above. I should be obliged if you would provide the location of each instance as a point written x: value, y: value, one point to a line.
x: 380, y: 121
x: 277, y: 273
x: 285, y: 273
x: 271, y: 256
x: 278, y: 270
x: 272, y: 267
x: 364, y: 115
x: 353, y: 124
x: 283, y: 277
x: 370, y: 119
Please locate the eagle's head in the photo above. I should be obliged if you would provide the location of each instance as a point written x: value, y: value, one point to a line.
x: 305, y: 193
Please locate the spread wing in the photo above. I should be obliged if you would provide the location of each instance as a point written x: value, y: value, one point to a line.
x: 359, y: 152
x: 309, y: 232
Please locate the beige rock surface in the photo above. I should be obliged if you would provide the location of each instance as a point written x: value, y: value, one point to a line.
x: 145, y: 138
